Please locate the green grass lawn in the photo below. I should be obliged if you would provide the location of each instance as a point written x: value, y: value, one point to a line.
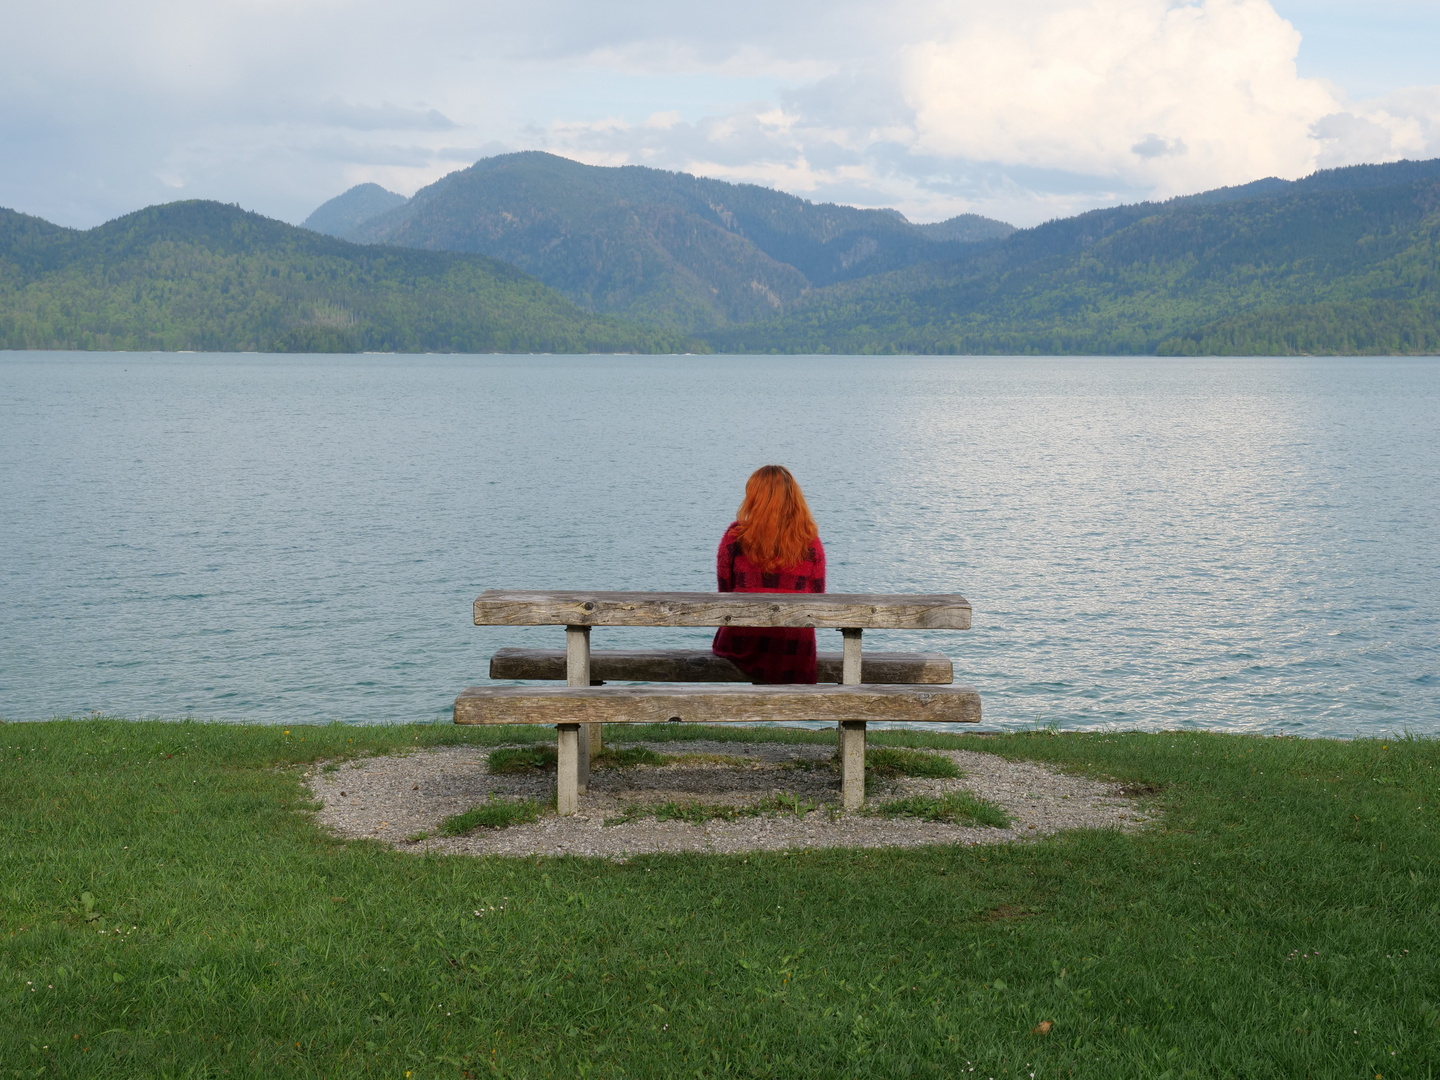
x: 169, y: 909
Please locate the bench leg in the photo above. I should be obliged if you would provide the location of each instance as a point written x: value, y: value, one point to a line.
x: 577, y: 673
x: 852, y: 764
x: 597, y: 739
x: 567, y: 793
x: 582, y: 759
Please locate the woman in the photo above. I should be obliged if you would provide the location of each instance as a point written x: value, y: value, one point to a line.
x: 771, y: 546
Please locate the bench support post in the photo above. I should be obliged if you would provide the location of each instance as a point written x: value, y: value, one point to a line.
x: 850, y: 662
x: 577, y: 673
x: 852, y: 764
x: 567, y: 794
x: 852, y: 732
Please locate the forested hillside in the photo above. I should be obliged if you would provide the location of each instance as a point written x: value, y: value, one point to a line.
x: 1345, y: 261
x: 668, y: 249
x: 202, y: 275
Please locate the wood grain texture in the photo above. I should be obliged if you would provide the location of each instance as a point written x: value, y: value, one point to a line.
x: 714, y: 704
x: 519, y: 607
x: 852, y: 658
x: 701, y: 665
x: 577, y: 656
x: 567, y: 770
x: 852, y: 764
x: 577, y: 673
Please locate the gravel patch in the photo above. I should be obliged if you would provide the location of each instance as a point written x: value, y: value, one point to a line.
x: 397, y: 799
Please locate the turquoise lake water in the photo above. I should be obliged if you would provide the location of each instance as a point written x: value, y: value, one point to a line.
x: 1238, y: 544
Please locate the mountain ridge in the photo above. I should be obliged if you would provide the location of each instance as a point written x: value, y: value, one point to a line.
x: 1153, y: 277
x: 345, y: 212
x: 208, y: 276
x: 670, y: 249
x: 1342, y: 261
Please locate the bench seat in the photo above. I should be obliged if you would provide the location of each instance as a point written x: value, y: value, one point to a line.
x: 702, y: 665
x: 715, y: 704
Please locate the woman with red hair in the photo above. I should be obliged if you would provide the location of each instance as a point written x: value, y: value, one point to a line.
x: 771, y: 546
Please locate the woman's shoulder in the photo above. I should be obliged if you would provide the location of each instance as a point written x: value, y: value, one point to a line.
x: 730, y: 542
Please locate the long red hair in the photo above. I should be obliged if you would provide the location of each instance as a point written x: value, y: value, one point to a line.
x: 776, y: 528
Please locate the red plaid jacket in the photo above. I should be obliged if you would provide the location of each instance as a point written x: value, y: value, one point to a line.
x: 768, y: 654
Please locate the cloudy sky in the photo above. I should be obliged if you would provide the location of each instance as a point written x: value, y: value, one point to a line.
x: 1022, y: 110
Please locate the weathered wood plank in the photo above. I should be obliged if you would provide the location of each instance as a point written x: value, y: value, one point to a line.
x: 520, y: 607
x: 714, y: 704
x: 701, y: 665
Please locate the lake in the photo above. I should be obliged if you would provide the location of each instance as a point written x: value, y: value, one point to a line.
x: 1227, y: 544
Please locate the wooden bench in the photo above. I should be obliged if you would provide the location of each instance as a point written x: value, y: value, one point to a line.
x: 905, y: 687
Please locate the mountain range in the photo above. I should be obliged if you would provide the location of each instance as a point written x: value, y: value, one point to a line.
x: 674, y: 251
x: 1342, y: 261
x: 207, y: 276
x: 533, y: 253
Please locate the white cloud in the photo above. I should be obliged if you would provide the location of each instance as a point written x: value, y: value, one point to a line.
x: 1044, y: 107
x: 1176, y: 96
x: 1022, y: 110
x: 1405, y: 123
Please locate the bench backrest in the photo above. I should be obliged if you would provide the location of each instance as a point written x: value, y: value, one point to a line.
x: 866, y: 611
